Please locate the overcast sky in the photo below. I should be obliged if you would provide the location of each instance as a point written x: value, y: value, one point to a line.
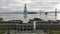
x: 32, y: 5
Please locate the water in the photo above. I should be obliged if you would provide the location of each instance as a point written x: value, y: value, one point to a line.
x: 30, y: 16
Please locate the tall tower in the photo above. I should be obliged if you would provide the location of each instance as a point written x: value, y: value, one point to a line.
x: 25, y: 13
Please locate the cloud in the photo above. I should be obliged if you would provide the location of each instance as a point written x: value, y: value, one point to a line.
x: 31, y: 4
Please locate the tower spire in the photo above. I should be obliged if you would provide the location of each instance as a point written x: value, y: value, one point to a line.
x: 25, y: 8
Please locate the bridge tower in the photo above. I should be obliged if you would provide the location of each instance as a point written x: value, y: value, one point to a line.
x: 55, y: 13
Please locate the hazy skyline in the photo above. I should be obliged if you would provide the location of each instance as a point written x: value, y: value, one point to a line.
x: 32, y: 5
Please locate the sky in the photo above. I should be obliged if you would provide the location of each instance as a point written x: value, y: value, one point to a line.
x: 32, y: 5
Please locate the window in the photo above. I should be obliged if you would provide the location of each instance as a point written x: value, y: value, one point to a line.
x: 28, y: 29
x: 24, y: 29
x: 24, y: 26
x: 21, y: 29
x: 31, y: 29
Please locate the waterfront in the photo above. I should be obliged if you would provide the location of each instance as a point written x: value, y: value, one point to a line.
x: 29, y: 16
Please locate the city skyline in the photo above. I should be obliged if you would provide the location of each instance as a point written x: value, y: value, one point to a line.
x: 32, y: 5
